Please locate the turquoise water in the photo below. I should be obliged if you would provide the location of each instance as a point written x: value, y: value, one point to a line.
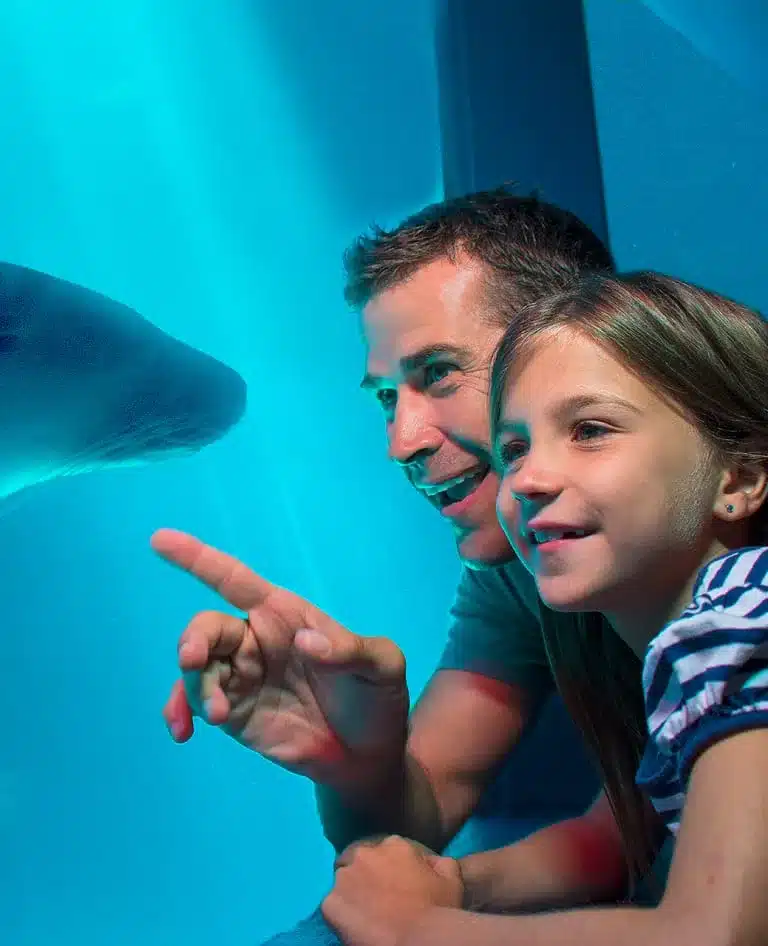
x: 206, y: 164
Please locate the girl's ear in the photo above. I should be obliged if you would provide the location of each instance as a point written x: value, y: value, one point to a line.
x: 743, y: 490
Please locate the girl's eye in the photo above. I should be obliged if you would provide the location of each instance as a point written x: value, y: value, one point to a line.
x: 589, y: 430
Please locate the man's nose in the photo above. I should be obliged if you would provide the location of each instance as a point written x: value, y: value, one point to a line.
x: 412, y: 433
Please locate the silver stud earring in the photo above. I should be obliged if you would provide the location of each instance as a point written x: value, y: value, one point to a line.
x: 729, y: 508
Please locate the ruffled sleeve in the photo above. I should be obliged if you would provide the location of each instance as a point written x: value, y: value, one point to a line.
x: 705, y: 675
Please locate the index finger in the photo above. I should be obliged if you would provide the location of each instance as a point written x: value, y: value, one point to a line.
x: 223, y: 573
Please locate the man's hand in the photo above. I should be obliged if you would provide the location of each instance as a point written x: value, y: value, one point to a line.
x: 382, y: 890
x: 286, y: 680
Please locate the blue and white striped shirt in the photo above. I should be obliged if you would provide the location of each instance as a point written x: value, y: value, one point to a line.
x: 705, y: 675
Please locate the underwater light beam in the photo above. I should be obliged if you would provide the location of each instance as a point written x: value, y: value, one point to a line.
x: 731, y: 33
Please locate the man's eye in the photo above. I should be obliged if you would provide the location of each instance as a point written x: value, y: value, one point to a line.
x: 435, y: 373
x: 387, y: 397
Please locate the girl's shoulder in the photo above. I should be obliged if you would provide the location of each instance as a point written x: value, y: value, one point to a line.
x: 740, y: 568
x: 730, y: 595
x: 712, y: 661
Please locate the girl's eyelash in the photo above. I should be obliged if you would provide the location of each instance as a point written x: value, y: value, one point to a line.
x: 509, y: 452
x: 599, y: 427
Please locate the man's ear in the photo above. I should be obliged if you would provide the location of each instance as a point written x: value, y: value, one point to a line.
x: 743, y: 490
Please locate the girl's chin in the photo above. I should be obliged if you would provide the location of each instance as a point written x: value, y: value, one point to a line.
x: 568, y: 599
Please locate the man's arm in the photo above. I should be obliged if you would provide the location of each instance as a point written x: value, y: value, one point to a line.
x: 461, y: 730
x: 493, y: 675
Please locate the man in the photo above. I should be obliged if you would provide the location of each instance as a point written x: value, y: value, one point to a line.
x: 434, y: 295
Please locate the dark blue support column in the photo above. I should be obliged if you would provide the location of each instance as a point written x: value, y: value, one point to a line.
x: 516, y: 101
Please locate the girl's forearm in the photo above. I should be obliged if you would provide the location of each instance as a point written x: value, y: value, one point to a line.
x: 627, y: 926
x: 570, y: 863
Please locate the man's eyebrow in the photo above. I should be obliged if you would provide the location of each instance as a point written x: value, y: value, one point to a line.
x: 420, y: 359
x: 572, y: 405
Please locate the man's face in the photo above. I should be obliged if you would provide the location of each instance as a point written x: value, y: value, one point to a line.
x: 428, y: 351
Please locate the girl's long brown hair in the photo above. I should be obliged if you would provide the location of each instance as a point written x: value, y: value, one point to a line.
x: 708, y: 356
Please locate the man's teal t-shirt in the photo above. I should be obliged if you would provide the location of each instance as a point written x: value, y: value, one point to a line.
x: 495, y: 629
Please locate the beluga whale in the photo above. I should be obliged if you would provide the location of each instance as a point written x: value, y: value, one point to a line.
x: 87, y: 383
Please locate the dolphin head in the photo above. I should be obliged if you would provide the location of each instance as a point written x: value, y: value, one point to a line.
x: 88, y: 383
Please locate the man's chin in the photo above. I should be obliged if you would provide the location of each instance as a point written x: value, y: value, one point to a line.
x: 483, y: 548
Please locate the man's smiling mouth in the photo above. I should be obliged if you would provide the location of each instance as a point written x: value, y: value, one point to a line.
x: 457, y: 488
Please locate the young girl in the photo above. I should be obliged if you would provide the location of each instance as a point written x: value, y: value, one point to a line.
x: 630, y: 425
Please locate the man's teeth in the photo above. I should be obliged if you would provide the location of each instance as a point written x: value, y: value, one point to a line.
x: 541, y: 536
x: 453, y: 491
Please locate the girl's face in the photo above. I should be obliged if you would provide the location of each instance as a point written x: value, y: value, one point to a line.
x: 607, y: 492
